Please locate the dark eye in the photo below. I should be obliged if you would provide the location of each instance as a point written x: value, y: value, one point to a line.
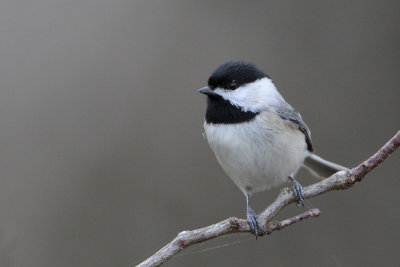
x: 232, y: 85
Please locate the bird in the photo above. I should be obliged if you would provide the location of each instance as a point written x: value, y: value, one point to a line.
x: 259, y: 140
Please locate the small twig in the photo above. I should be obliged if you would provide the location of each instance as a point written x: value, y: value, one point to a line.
x: 305, y: 215
x: 338, y: 181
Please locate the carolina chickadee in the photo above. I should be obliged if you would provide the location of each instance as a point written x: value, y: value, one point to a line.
x: 257, y: 137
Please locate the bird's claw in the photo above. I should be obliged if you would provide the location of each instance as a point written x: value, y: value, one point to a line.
x: 252, y: 218
x: 298, y: 192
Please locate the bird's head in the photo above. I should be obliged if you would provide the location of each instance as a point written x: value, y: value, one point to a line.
x: 243, y: 85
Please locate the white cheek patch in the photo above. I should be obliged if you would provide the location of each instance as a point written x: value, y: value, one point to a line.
x: 255, y: 96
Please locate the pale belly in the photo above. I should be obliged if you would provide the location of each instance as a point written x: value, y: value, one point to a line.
x: 257, y: 157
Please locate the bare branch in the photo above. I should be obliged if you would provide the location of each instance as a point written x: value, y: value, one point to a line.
x: 338, y: 181
x: 300, y: 217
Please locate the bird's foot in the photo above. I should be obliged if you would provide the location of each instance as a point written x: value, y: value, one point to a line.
x: 298, y: 192
x: 252, y: 218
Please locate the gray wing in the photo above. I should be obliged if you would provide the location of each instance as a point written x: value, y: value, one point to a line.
x: 287, y: 112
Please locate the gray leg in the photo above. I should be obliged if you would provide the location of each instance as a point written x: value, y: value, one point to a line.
x: 297, y: 191
x: 252, y: 217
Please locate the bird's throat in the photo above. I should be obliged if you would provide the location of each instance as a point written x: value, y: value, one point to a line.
x: 221, y: 111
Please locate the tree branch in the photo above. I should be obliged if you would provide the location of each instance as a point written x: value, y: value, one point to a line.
x: 338, y: 181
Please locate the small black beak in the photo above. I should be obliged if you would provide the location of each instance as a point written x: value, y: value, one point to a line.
x: 207, y: 91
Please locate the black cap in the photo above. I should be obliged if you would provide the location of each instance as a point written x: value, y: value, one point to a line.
x: 233, y: 74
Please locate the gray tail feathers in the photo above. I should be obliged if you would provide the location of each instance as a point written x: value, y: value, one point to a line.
x: 320, y: 167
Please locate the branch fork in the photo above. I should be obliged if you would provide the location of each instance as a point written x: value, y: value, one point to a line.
x: 338, y: 181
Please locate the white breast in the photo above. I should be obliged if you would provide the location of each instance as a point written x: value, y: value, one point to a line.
x: 258, y: 154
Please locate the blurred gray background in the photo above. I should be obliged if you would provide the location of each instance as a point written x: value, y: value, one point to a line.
x: 102, y: 161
